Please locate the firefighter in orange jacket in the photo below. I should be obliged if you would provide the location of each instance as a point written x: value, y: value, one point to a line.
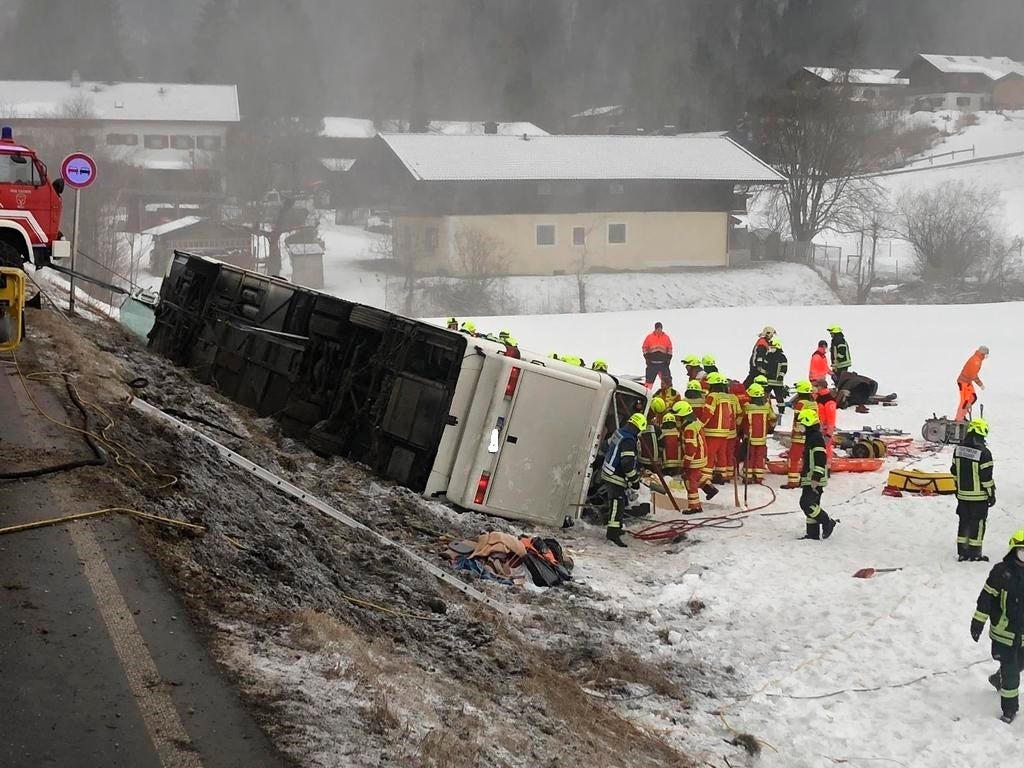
x: 657, y: 349
x: 720, y: 428
x: 671, y: 446
x: 819, y: 369
x: 802, y: 400
x: 827, y: 406
x: 694, y: 467
x: 758, y: 421
x: 967, y: 380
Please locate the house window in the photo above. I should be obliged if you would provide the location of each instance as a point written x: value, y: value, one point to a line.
x: 963, y: 101
x: 155, y: 141
x: 122, y: 140
x: 579, y: 236
x: 545, y: 234
x: 616, y: 234
x: 616, y: 188
x: 430, y: 239
x: 180, y: 141
x: 208, y: 143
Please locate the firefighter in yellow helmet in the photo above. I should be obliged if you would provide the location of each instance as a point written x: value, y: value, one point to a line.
x: 803, y: 399
x: 1001, y: 606
x: 619, y: 471
x: 814, y: 478
x: 975, y: 490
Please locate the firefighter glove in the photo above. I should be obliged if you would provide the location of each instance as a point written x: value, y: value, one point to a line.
x: 633, y: 481
x: 992, y: 499
x: 976, y: 628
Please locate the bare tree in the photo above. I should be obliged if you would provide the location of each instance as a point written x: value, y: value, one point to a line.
x: 872, y: 220
x: 815, y: 137
x: 481, y: 261
x: 954, y: 229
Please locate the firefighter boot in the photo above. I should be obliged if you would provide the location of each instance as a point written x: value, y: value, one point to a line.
x: 709, y: 491
x: 1008, y: 717
x: 614, y: 535
x: 996, y: 681
x: 813, y: 532
x: 827, y: 525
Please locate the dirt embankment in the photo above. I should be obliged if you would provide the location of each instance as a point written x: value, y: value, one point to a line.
x: 349, y: 654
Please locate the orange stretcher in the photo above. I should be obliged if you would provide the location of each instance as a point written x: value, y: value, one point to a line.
x: 838, y: 464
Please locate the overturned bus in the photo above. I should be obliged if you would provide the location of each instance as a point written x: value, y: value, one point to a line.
x: 445, y: 414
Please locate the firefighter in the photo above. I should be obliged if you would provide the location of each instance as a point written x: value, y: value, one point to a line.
x: 759, y: 355
x: 600, y: 366
x: 758, y: 421
x: 1001, y: 604
x: 697, y: 399
x: 671, y: 446
x: 468, y: 327
x: 975, y: 490
x: 619, y: 472
x: 709, y: 365
x: 827, y: 407
x: 453, y: 324
x: 819, y: 369
x: 839, y: 354
x: 657, y: 349
x: 967, y: 380
x: 648, y: 444
x: 670, y: 396
x: 804, y: 398
x: 511, y: 345
x: 776, y: 368
x: 814, y: 478
x: 694, y: 371
x: 694, y: 468
x: 720, y: 428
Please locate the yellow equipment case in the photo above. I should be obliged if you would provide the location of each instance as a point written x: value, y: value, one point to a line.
x: 914, y: 481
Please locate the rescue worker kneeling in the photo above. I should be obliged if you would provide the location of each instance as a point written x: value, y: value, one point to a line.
x: 620, y: 471
x: 814, y: 478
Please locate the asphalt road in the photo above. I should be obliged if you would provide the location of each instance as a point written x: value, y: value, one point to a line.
x: 99, y: 662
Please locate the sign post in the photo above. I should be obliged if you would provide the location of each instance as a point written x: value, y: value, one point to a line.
x: 78, y: 171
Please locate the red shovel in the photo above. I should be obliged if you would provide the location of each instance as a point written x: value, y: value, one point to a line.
x: 867, y: 573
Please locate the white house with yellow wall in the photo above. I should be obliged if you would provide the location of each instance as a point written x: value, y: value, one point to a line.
x: 544, y: 205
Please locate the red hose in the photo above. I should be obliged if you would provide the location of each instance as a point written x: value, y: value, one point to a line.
x: 673, y: 529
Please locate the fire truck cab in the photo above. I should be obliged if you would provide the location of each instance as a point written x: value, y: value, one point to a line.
x: 30, y: 208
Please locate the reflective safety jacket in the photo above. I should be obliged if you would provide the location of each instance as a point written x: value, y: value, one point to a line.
x: 759, y: 355
x: 619, y: 465
x: 839, y: 352
x: 972, y: 369
x: 757, y: 419
x: 723, y: 411
x: 648, y: 445
x: 827, y: 407
x: 972, y: 468
x: 777, y: 366
x: 698, y: 401
x: 657, y: 347
x: 819, y: 367
x: 801, y: 402
x: 815, y: 464
x: 695, y: 448
x: 1001, y: 602
x: 671, y: 448
x: 670, y: 396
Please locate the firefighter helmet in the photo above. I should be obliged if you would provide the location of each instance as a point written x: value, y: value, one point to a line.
x: 804, y: 387
x: 694, y: 386
x: 468, y: 326
x: 717, y: 378
x: 668, y: 418
x: 639, y: 421
x: 658, y: 405
x: 504, y: 335
x: 1017, y: 540
x: 834, y: 329
x: 453, y: 323
x: 767, y: 331
x: 808, y: 417
x: 761, y: 379
x: 708, y: 360
x: 979, y: 427
x: 776, y: 342
x: 600, y: 365
x: 755, y: 390
x: 682, y: 409
x: 691, y: 361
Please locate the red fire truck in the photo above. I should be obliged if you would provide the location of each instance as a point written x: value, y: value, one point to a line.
x: 30, y: 208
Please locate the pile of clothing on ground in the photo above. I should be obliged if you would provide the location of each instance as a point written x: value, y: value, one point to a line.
x: 508, y: 559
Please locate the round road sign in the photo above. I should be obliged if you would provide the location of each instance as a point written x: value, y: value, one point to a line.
x: 78, y: 170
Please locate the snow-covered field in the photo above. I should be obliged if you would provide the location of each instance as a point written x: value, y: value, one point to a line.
x: 802, y: 634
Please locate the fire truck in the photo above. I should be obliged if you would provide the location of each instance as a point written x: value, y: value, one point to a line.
x: 30, y: 208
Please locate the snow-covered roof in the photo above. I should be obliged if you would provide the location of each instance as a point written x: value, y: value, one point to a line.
x: 172, y: 226
x: 507, y: 158
x: 360, y: 128
x: 142, y: 102
x: 611, y: 109
x: 879, y: 77
x: 337, y: 164
x: 992, y: 67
